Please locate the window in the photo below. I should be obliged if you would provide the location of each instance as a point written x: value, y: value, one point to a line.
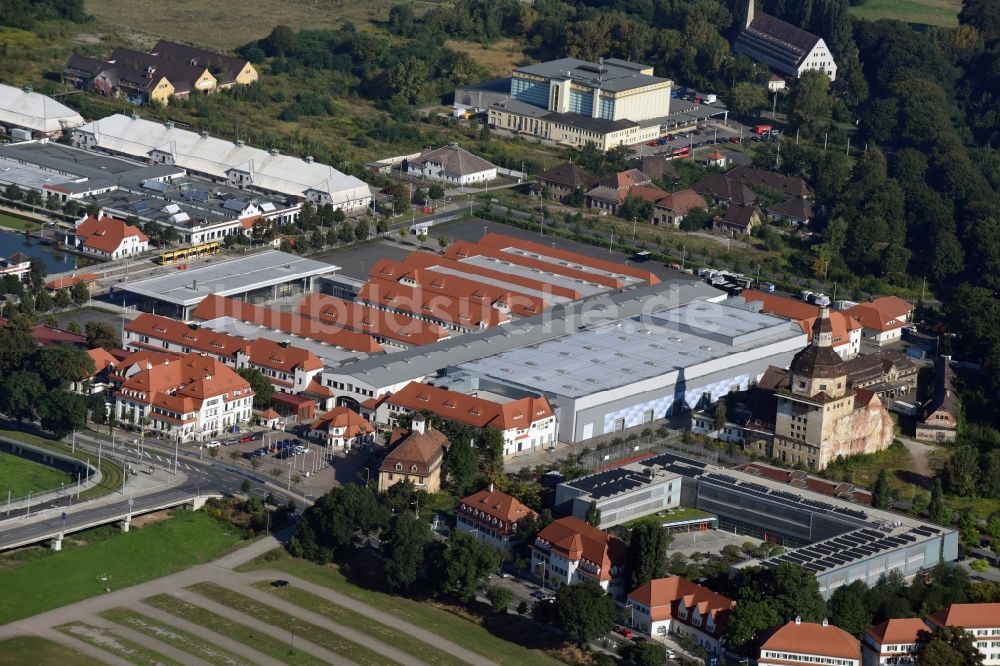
x: 399, y: 467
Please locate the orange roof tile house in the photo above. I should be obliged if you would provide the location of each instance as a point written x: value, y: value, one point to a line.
x: 571, y: 551
x: 678, y: 607
x: 108, y: 238
x: 896, y: 641
x: 527, y: 423
x: 416, y: 456
x: 341, y: 428
x: 882, y: 319
x: 491, y: 517
x: 191, y: 398
x: 799, y: 643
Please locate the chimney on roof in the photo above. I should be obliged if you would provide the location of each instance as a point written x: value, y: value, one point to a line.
x: 284, y: 344
x: 309, y: 159
x: 798, y: 618
x: 749, y: 13
x: 28, y: 89
x: 203, y: 135
x: 194, y: 285
x: 491, y: 487
x: 419, y: 424
x: 826, y: 623
x: 149, y: 366
x: 169, y: 124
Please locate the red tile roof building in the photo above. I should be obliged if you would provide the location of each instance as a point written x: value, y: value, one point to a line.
x: 678, y: 607
x: 191, y: 398
x: 882, y: 319
x: 341, y: 428
x: 846, y: 328
x: 800, y: 643
x: 388, y: 328
x: 416, y: 456
x: 289, y: 368
x: 982, y: 621
x: 109, y: 238
x: 671, y: 209
x: 570, y: 551
x: 491, y: 517
x: 527, y: 424
x: 896, y: 641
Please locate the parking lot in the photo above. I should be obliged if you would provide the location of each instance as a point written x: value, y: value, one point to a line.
x: 711, y: 541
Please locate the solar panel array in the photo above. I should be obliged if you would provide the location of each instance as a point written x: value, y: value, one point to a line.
x: 846, y: 548
x: 610, y: 482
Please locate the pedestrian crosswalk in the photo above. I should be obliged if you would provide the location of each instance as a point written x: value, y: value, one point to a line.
x: 166, y: 461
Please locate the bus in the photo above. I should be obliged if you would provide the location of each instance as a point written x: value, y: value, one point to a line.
x: 680, y: 152
x: 191, y: 252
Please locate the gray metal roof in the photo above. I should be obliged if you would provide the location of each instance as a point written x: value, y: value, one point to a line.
x: 226, y: 278
x: 611, y: 75
x: 556, y: 322
x: 25, y: 108
x: 329, y: 354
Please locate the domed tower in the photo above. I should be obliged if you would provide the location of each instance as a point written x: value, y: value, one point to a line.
x: 818, y: 368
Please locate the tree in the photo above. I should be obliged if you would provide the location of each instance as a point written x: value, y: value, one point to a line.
x: 500, y: 598
x: 62, y: 299
x: 19, y: 394
x: 62, y: 412
x: 746, y: 99
x: 362, y: 229
x: 811, y: 104
x: 80, y: 293
x: 593, y: 516
x: 794, y: 591
x: 720, y: 415
x: 262, y: 387
x: 647, y: 554
x: 58, y: 366
x: 950, y: 646
x: 98, y: 408
x: 245, y: 486
x: 746, y: 621
x: 460, y: 466
x: 436, y: 192
x: 960, y: 474
x: 100, y: 334
x: 405, y: 543
x: 584, y: 611
x: 881, y: 493
x: 465, y: 564
x: 849, y: 609
x: 646, y: 653
x: 937, y: 510
x: 345, y: 234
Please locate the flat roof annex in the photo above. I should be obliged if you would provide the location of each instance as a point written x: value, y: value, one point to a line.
x: 227, y: 278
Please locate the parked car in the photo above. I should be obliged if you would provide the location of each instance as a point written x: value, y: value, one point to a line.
x: 230, y: 442
x: 671, y: 654
x: 734, y: 139
x: 626, y: 632
x: 214, y: 444
x: 766, y: 286
x: 246, y: 438
x: 279, y: 583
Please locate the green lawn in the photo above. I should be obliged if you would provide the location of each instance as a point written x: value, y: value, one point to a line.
x: 111, y: 472
x: 127, y: 559
x: 666, y: 517
x: 31, y: 650
x: 106, y: 640
x: 19, y: 476
x: 921, y: 12
x: 223, y: 626
x: 427, y: 616
x: 325, y: 638
x: 178, y: 638
x: 354, y: 620
x: 17, y: 223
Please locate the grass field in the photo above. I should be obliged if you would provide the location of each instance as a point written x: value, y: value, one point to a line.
x: 180, y: 639
x: 354, y: 620
x: 65, y: 577
x: 17, y: 223
x: 238, y: 632
x: 919, y: 12
x: 111, y: 472
x: 427, y: 616
x: 216, y: 26
x: 20, y: 476
x: 359, y: 654
x: 104, y: 639
x: 22, y: 650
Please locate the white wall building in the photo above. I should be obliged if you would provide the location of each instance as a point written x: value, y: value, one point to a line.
x: 570, y: 551
x: 782, y: 46
x: 452, y: 164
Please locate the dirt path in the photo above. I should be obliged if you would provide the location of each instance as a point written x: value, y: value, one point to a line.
x: 919, y: 456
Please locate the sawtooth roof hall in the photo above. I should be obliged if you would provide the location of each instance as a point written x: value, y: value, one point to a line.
x: 234, y: 163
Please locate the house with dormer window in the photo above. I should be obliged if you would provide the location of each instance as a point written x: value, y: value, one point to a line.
x: 675, y: 606
x: 571, y: 551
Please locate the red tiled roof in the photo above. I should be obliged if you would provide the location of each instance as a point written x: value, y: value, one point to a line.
x: 661, y: 594
x: 428, y: 260
x: 805, y: 314
x: 576, y: 540
x: 497, y: 505
x: 181, y: 385
x: 650, y: 193
x: 459, y: 311
x: 814, y: 639
x: 898, y: 631
x: 214, y: 307
x: 682, y: 201
x: 968, y: 616
x: 106, y: 234
x: 72, y: 281
x: 341, y: 417
x: 102, y: 359
x: 49, y: 336
x: 269, y: 414
x: 409, y: 448
x: 882, y: 314
x: 470, y: 410
x: 364, y: 318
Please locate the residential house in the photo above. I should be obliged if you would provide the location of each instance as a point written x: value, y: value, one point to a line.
x: 776, y: 84
x: 612, y: 192
x: 896, y: 641
x: 675, y: 606
x: 799, y: 642
x: 565, y: 181
x: 452, y: 164
x: 342, y: 428
x: 658, y: 167
x: 415, y: 456
x: 846, y: 329
x: 570, y: 551
x: 108, y: 238
x: 17, y: 264
x: 890, y: 374
x: 716, y: 159
x: 981, y: 621
x: 228, y: 70
x: 50, y: 336
x: 191, y: 398
x: 491, y: 517
x: 720, y: 189
x: 940, y: 420
x: 738, y: 220
x: 673, y: 208
x: 789, y: 186
x: 882, y: 319
x: 783, y: 47
x: 527, y: 424
x: 797, y: 211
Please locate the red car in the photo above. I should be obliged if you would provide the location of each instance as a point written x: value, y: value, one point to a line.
x: 734, y: 139
x: 625, y: 631
x: 245, y: 438
x: 651, y: 143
